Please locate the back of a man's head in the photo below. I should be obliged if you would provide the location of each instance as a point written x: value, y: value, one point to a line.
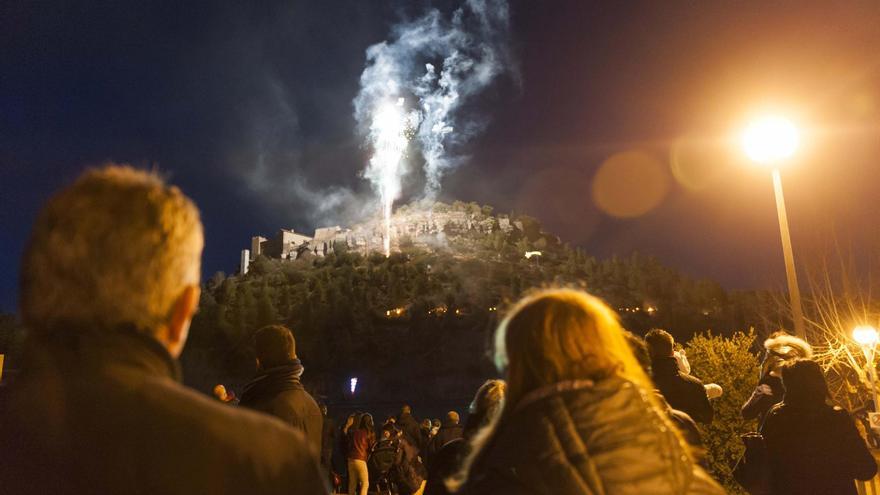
x: 406, y: 409
x: 452, y: 418
x: 274, y: 346
x: 660, y: 343
x: 117, y: 247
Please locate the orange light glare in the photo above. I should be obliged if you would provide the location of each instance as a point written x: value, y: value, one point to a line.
x: 770, y: 139
x: 866, y: 335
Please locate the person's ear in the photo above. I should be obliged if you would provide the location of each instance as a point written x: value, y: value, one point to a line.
x: 176, y: 329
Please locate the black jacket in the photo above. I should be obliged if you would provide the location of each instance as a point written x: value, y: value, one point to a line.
x: 410, y: 427
x: 444, y: 463
x: 760, y: 402
x: 815, y: 450
x: 580, y: 438
x: 278, y: 391
x: 102, y: 412
x: 446, y: 434
x: 682, y: 391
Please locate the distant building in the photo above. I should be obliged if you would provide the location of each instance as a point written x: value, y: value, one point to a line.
x: 423, y: 228
x: 285, y: 245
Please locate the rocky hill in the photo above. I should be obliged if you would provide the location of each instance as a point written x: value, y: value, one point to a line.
x: 416, y: 325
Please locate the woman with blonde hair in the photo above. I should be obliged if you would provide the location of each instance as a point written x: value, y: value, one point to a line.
x: 579, y: 416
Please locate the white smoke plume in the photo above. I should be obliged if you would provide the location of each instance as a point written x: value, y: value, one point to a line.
x: 430, y: 67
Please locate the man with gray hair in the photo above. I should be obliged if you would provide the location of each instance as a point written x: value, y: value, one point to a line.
x: 109, y: 285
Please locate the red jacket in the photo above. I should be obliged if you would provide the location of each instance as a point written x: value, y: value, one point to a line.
x: 359, y: 446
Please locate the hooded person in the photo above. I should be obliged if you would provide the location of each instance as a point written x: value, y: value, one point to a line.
x: 780, y: 348
x: 813, y: 447
x: 277, y: 390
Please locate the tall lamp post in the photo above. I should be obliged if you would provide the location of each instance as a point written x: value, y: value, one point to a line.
x: 770, y: 141
x: 867, y: 337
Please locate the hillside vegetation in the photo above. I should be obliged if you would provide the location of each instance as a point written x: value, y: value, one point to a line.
x: 415, y: 326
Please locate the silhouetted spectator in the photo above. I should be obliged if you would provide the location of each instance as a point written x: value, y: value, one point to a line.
x: 109, y: 284
x: 449, y: 460
x: 779, y: 349
x: 579, y: 416
x: 328, y: 439
x: 680, y: 419
x: 682, y: 391
x: 449, y: 431
x: 277, y: 390
x: 812, y: 447
x: 425, y: 433
x: 409, y: 425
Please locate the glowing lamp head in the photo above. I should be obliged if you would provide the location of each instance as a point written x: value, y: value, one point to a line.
x: 770, y: 139
x: 866, y: 335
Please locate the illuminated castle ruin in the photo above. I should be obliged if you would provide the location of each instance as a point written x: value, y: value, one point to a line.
x: 419, y: 228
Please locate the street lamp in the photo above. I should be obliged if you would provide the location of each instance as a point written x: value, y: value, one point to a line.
x: 770, y: 141
x: 867, y: 337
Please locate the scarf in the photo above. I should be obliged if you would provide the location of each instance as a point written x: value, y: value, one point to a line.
x: 272, y: 381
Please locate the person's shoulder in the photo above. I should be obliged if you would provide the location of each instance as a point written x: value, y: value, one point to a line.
x: 776, y: 414
x: 204, y: 419
x: 840, y: 414
x: 692, y: 381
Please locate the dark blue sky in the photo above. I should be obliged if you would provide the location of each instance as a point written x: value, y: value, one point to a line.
x: 208, y: 90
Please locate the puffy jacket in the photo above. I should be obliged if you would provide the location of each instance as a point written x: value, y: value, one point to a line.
x: 585, y: 438
x: 102, y: 412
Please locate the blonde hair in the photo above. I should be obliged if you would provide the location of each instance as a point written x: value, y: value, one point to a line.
x: 555, y: 335
x: 118, y: 246
x: 552, y: 336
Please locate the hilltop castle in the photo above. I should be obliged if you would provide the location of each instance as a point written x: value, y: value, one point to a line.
x: 420, y: 227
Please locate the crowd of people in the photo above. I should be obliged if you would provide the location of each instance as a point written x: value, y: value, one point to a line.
x: 584, y: 407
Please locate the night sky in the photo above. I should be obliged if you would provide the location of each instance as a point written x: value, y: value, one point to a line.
x: 247, y: 106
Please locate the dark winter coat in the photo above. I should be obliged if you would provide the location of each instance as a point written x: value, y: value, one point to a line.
x: 585, y: 438
x: 682, y: 391
x: 328, y: 440
x: 277, y: 391
x: 815, y: 450
x: 103, y: 412
x: 444, y: 463
x: 446, y: 434
x: 410, y: 427
x: 767, y: 394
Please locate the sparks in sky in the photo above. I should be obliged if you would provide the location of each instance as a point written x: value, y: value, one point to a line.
x: 389, y: 131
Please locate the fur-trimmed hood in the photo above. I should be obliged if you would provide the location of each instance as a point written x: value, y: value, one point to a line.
x: 788, y: 347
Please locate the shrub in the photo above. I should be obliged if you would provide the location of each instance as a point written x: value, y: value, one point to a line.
x: 728, y: 362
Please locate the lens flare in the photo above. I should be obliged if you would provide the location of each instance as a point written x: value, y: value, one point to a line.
x: 630, y: 184
x: 389, y: 133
